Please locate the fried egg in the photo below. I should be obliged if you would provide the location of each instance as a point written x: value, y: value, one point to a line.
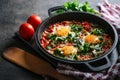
x: 62, y: 30
x: 67, y: 50
x: 92, y: 39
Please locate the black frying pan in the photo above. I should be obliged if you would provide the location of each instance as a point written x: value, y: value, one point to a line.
x: 96, y: 64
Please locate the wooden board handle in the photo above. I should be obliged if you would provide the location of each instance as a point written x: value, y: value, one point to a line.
x: 32, y: 63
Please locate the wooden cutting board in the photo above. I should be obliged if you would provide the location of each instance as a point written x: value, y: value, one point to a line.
x: 32, y: 63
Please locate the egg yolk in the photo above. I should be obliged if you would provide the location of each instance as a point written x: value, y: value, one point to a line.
x: 92, y: 39
x: 67, y: 50
x: 63, y: 31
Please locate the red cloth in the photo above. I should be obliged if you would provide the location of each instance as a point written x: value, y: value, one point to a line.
x: 112, y: 14
x: 111, y: 74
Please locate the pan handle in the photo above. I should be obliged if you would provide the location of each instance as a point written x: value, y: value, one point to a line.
x: 99, y: 68
x: 118, y: 45
x: 51, y: 10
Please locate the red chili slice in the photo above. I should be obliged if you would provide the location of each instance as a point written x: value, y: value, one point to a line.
x: 86, y: 25
x: 64, y: 23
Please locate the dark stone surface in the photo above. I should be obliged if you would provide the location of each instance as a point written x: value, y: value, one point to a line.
x: 12, y: 14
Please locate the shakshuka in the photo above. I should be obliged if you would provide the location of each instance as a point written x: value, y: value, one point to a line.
x: 74, y: 40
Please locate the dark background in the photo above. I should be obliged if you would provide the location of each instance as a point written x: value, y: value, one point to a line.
x: 12, y: 14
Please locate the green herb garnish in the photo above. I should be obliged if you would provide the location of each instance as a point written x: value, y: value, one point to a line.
x: 76, y: 28
x: 86, y: 47
x: 48, y: 47
x: 59, y: 39
x: 76, y: 57
x: 53, y: 37
x: 76, y: 6
x: 97, y: 31
x: 57, y: 52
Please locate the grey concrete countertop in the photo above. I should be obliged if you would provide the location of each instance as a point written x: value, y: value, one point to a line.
x: 12, y: 14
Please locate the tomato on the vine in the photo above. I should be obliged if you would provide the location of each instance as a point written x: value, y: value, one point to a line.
x: 26, y: 31
x: 34, y: 20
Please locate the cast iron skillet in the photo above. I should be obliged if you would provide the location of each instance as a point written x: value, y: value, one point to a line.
x: 96, y: 64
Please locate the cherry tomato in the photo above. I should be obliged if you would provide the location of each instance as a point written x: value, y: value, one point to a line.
x: 26, y: 31
x: 34, y: 20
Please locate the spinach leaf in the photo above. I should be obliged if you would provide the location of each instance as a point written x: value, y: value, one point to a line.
x: 75, y: 57
x: 57, y: 52
x: 74, y: 39
x: 86, y: 47
x: 53, y: 37
x: 76, y: 28
x: 59, y: 40
x: 97, y: 31
x: 69, y: 38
